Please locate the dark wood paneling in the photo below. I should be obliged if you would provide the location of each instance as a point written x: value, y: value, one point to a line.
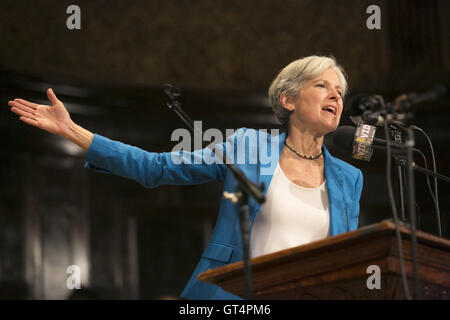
x: 223, y: 54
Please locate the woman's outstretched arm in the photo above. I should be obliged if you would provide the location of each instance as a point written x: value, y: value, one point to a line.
x: 54, y: 119
x: 150, y: 169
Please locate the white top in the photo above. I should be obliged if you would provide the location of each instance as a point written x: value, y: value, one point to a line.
x: 291, y: 216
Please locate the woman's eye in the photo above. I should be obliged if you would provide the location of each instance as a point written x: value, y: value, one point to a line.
x: 323, y: 86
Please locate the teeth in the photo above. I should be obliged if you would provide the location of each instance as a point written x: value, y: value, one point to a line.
x: 330, y: 109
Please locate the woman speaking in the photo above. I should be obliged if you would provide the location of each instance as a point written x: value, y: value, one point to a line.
x: 310, y: 194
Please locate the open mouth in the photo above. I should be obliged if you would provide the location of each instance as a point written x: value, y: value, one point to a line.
x: 330, y: 109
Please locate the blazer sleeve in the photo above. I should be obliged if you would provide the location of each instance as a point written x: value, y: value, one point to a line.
x: 151, y: 169
x: 356, y: 197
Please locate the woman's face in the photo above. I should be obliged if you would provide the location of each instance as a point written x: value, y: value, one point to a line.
x: 318, y: 106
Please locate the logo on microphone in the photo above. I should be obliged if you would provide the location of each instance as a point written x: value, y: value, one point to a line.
x: 363, y: 142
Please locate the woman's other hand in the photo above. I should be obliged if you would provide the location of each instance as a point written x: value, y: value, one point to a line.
x: 54, y: 119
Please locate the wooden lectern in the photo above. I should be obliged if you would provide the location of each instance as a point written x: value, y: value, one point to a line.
x: 337, y: 268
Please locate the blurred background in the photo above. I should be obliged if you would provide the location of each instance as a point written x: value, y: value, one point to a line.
x: 136, y: 243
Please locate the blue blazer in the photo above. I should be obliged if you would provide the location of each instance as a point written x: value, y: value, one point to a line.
x: 343, y: 182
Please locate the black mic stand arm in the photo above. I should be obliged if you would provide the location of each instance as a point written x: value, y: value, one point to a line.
x: 246, y: 188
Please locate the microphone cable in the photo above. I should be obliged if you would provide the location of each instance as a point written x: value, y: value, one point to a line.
x: 435, y: 197
x: 428, y: 183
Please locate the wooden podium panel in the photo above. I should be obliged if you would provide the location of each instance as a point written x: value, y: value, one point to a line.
x: 336, y: 267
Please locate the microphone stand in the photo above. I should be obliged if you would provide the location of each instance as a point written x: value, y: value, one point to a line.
x: 407, y: 116
x: 430, y: 173
x: 404, y: 104
x: 412, y: 207
x: 401, y: 111
x: 408, y: 146
x: 400, y: 162
x: 246, y: 188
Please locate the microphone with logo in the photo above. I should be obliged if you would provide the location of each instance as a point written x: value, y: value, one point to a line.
x: 360, y: 140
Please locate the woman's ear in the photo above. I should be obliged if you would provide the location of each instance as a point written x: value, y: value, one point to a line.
x: 286, y: 101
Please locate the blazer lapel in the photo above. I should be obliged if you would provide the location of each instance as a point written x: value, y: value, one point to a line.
x: 335, y: 189
x: 266, y: 171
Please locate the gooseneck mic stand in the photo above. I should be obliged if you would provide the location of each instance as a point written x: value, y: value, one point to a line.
x: 246, y: 188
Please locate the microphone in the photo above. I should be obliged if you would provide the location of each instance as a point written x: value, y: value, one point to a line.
x: 361, y: 141
x: 172, y: 92
x: 364, y: 102
x: 369, y: 108
x: 366, y: 108
x: 436, y: 92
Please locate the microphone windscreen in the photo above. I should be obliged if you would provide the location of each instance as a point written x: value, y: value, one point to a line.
x: 353, y: 104
x: 343, y: 137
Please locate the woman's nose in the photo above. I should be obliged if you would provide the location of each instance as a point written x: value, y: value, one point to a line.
x: 334, y: 94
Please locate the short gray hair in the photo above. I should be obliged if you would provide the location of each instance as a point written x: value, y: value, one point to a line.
x: 292, y: 77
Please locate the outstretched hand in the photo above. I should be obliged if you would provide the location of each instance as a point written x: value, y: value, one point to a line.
x: 54, y: 119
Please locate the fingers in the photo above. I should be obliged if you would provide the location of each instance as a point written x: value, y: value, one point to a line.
x: 21, y: 106
x: 23, y: 113
x: 51, y: 96
x: 26, y: 114
x: 26, y: 103
x: 29, y: 121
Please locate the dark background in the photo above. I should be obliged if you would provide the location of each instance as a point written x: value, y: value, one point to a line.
x: 136, y: 243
